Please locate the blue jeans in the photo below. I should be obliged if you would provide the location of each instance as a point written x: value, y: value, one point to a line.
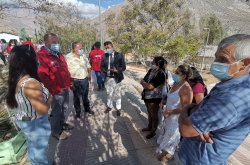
x: 81, y: 91
x: 37, y: 133
x: 100, y: 76
x: 59, y: 106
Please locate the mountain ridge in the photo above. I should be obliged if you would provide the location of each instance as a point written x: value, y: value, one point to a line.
x: 234, y: 15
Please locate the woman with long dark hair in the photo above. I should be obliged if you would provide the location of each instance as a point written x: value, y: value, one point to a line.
x: 31, y: 102
x: 198, y: 86
x: 11, y: 45
x: 179, y: 96
x: 152, y: 85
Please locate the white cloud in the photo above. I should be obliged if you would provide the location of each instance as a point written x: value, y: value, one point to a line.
x: 87, y: 9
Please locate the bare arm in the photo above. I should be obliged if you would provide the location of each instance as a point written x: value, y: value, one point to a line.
x: 198, y: 97
x: 33, y: 91
x: 185, y: 125
x: 186, y: 96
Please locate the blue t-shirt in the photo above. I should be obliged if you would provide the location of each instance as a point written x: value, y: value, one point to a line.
x: 225, y: 112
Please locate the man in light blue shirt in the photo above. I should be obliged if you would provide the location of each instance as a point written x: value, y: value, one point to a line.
x: 222, y: 121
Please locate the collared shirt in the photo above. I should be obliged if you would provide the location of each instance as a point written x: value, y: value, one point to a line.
x: 78, y: 67
x: 225, y: 113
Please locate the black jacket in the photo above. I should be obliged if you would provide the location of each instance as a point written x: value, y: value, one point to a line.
x: 119, y: 64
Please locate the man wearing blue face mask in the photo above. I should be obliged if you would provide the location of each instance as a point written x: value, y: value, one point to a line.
x: 113, y: 65
x: 53, y: 72
x: 80, y: 70
x: 222, y: 121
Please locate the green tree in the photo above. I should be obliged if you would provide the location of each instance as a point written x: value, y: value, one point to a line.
x: 69, y: 25
x: 180, y: 47
x: 23, y: 34
x: 145, y: 28
x: 215, y: 26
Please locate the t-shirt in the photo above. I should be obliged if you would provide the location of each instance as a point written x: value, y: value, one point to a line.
x: 198, y: 88
x: 95, y: 58
x: 225, y: 113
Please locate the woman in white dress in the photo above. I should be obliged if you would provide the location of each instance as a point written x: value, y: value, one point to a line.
x: 179, y: 96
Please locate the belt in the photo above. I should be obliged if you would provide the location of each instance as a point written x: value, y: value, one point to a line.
x: 75, y: 79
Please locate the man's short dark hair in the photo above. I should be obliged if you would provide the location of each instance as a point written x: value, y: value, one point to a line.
x: 165, y: 61
x: 97, y: 44
x: 3, y: 40
x: 47, y: 35
x: 74, y: 44
x: 108, y: 43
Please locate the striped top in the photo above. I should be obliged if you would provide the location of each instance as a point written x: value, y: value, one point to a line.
x: 24, y: 107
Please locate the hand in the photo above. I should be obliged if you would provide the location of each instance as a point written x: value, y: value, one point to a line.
x: 167, y: 113
x: 206, y: 137
x: 161, y: 105
x: 72, y: 87
x: 115, y: 70
x: 89, y: 76
x: 142, y: 82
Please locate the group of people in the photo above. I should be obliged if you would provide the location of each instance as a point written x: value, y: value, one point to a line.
x: 207, y: 128
x: 40, y: 82
x: 165, y: 101
x: 5, y: 49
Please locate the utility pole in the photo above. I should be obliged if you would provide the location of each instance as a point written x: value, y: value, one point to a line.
x: 100, y: 24
x: 203, y: 58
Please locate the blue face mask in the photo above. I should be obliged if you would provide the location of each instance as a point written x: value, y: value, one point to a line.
x: 109, y: 51
x: 220, y: 70
x: 176, y: 78
x: 80, y: 52
x: 55, y: 47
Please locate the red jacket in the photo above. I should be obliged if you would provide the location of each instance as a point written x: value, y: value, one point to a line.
x: 95, y: 59
x: 30, y: 43
x: 53, y: 71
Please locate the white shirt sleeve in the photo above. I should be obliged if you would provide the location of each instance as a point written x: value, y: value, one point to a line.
x: 170, y: 78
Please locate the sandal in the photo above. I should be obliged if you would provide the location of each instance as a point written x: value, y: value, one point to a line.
x: 165, y: 157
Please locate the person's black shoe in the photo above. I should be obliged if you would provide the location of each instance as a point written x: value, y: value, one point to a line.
x: 118, y: 113
x: 107, y: 110
x: 67, y: 127
x: 90, y: 112
x: 149, y: 136
x: 78, y: 115
x: 61, y: 136
x: 103, y: 88
x: 145, y: 129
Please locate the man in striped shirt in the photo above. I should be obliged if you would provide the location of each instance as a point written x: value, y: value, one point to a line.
x: 222, y: 121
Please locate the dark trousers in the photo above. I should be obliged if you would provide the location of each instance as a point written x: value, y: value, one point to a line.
x: 153, y: 119
x: 81, y: 91
x: 3, y: 58
x: 59, y: 106
x: 100, y: 76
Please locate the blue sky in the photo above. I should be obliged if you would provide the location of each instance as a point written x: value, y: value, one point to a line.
x: 104, y: 3
x: 90, y: 8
